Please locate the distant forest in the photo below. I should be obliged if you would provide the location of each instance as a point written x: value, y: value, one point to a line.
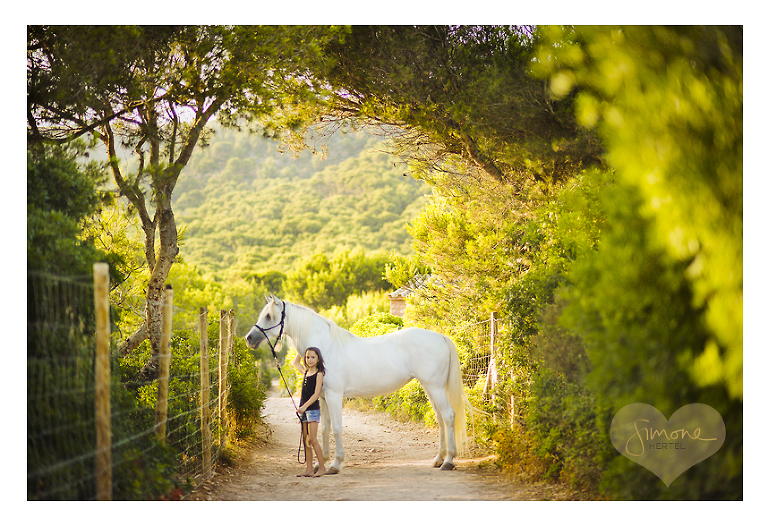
x: 246, y: 206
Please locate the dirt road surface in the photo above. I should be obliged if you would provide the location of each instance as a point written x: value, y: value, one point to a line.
x: 385, y: 460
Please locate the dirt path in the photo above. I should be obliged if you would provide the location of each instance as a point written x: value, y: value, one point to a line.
x: 385, y: 460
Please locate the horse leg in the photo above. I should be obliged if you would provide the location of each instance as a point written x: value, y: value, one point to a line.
x: 446, y: 420
x: 333, y: 401
x: 325, y: 416
x: 438, y: 460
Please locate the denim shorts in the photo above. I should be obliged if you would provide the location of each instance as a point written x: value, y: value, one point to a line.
x: 311, y: 415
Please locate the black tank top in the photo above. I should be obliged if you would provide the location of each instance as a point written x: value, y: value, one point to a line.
x: 307, y: 390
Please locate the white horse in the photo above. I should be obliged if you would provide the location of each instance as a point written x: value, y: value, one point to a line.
x: 363, y: 367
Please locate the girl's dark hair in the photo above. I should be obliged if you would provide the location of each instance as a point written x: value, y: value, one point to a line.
x: 320, y: 364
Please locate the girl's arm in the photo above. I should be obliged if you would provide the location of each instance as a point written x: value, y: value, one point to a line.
x: 315, y: 395
x: 298, y: 365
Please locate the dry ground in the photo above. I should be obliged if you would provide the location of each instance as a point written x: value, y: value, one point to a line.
x: 386, y: 460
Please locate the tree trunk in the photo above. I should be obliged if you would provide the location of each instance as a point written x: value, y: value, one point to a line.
x: 166, y: 255
x: 164, y: 182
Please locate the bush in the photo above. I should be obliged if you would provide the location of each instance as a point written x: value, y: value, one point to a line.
x: 562, y: 419
x: 377, y: 325
x: 155, y: 471
x: 357, y: 306
x: 321, y: 282
x: 246, y: 398
x: 148, y: 474
x: 659, y: 303
x: 634, y: 309
x: 515, y: 453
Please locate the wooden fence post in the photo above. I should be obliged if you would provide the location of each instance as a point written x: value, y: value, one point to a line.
x: 232, y: 327
x: 161, y: 409
x: 230, y: 350
x: 102, y: 380
x: 205, y: 388
x: 512, y: 409
x: 224, y: 343
x: 491, y: 376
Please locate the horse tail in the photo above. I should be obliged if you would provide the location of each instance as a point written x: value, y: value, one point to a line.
x: 458, y: 398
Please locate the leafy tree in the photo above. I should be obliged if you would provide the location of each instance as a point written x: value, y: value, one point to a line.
x: 62, y: 196
x: 471, y: 235
x: 632, y: 305
x: 404, y: 268
x: 321, y: 282
x: 458, y: 92
x: 650, y: 286
x: 272, y: 281
x: 658, y: 302
x: 682, y: 86
x: 114, y: 229
x: 357, y: 307
x: 154, y: 89
x: 63, y: 202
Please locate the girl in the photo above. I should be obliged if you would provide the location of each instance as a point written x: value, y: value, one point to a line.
x: 309, y: 408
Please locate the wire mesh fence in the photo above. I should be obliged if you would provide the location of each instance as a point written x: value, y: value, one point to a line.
x: 61, y: 397
x: 481, y: 345
x: 60, y: 380
x: 61, y: 402
x: 478, y: 336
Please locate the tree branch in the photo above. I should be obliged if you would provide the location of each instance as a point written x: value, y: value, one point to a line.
x: 134, y: 196
x: 474, y: 153
x: 134, y: 340
x: 89, y: 128
x: 194, y: 135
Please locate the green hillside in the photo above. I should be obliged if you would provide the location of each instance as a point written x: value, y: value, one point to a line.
x: 249, y: 208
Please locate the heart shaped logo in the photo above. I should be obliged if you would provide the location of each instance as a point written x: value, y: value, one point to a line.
x: 667, y: 448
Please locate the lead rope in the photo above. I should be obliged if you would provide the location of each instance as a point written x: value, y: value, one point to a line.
x: 301, y: 420
x: 278, y: 341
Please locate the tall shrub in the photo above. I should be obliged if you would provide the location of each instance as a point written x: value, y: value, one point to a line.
x: 658, y: 304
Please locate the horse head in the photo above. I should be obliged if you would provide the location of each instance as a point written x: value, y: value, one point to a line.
x: 270, y: 324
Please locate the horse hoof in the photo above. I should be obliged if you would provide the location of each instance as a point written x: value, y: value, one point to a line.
x: 447, y: 466
x: 332, y: 471
x: 438, y: 463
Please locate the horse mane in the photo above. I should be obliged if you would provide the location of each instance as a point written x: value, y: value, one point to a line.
x: 338, y: 334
